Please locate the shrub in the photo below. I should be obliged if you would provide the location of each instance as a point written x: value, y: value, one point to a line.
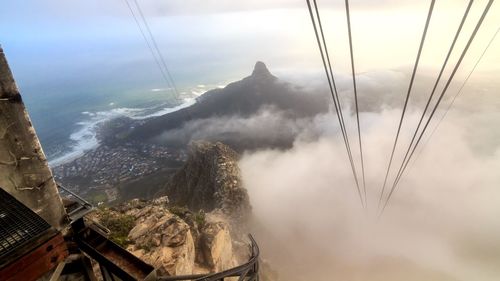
x: 119, y: 225
x: 179, y: 211
x: 199, y: 218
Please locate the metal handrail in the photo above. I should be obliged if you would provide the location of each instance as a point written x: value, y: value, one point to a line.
x: 249, y: 270
x: 85, y: 202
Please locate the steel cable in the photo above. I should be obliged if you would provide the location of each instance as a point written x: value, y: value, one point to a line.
x: 429, y: 14
x: 457, y: 94
x: 164, y: 75
x: 155, y: 45
x: 457, y: 34
x: 356, y: 99
x: 478, y: 25
x: 333, y: 92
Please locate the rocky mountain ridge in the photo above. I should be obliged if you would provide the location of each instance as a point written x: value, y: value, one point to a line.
x: 201, y: 229
x: 210, y: 180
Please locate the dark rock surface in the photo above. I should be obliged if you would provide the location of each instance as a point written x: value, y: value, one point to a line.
x: 209, y: 180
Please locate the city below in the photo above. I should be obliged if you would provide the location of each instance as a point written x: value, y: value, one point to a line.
x: 98, y: 174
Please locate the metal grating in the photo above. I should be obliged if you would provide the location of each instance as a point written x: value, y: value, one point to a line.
x: 18, y: 224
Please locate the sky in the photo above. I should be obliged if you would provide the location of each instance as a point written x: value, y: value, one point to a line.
x: 204, y: 41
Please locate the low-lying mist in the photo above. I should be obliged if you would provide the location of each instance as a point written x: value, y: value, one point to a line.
x: 441, y: 224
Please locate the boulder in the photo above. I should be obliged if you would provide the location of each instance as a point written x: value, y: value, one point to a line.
x: 163, y: 240
x: 215, y: 245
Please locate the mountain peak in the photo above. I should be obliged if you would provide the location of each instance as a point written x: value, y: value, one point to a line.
x: 260, y: 70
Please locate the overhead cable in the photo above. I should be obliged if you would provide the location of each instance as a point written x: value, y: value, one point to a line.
x: 457, y: 34
x: 151, y: 49
x: 422, y: 40
x: 464, y: 52
x: 356, y: 98
x: 458, y: 93
x: 155, y: 45
x: 333, y: 90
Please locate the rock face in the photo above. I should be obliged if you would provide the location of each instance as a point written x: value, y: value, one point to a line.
x: 177, y: 241
x: 216, y: 245
x: 210, y: 180
x: 163, y: 240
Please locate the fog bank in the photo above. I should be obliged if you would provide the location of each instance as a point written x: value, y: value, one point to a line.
x: 441, y: 224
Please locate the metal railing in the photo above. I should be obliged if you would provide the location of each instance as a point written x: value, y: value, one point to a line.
x: 248, y: 271
x: 82, y: 206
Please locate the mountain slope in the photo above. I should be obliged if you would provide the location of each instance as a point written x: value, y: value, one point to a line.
x: 243, y: 98
x: 209, y: 180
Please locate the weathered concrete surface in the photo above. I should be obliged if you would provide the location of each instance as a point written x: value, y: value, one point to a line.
x: 24, y: 171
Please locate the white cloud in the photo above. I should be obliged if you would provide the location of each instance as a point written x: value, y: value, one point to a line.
x: 441, y: 224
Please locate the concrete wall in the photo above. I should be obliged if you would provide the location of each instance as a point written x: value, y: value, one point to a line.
x: 24, y: 172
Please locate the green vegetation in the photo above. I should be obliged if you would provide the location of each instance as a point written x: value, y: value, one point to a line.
x: 199, y: 218
x: 98, y: 197
x: 146, y: 187
x: 119, y: 225
x: 148, y: 246
x: 179, y: 211
x: 187, y: 215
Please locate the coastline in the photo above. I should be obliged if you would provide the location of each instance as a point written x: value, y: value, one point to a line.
x: 85, y: 138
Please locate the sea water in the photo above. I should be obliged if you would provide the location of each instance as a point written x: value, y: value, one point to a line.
x: 66, y: 120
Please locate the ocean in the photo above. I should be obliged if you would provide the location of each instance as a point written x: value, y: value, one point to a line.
x: 66, y: 120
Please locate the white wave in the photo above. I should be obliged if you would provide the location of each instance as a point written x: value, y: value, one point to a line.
x: 197, y: 93
x: 85, y: 138
x: 88, y: 113
x: 160, y: 89
x: 187, y: 103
